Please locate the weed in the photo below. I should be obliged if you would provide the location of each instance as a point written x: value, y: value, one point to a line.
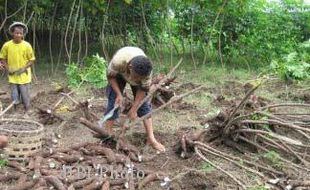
x: 3, y: 162
x: 93, y: 72
x: 258, y: 187
x: 274, y: 158
x: 295, y: 65
x: 206, y: 167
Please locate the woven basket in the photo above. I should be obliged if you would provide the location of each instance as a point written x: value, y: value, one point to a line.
x: 25, y: 138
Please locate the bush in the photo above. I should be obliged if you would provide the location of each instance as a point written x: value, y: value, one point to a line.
x: 295, y: 65
x: 92, y: 72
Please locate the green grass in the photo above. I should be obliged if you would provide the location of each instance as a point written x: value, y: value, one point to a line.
x: 208, y: 73
x: 206, y: 167
x: 3, y: 162
x: 259, y: 187
x: 201, y: 100
x: 274, y: 158
x: 211, y: 74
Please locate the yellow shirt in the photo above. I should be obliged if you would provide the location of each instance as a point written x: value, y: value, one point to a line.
x: 17, y: 56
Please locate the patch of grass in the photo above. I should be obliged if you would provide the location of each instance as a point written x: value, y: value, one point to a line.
x: 213, y: 112
x: 201, y: 100
x: 274, y: 158
x: 207, y: 74
x: 212, y: 76
x: 206, y: 167
x: 169, y: 121
x: 3, y: 162
x: 204, y: 74
x: 258, y: 187
x: 259, y: 117
x: 43, y: 67
x: 241, y: 74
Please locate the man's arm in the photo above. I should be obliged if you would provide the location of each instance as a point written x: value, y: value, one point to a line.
x: 113, y: 82
x: 112, y: 71
x: 140, y: 94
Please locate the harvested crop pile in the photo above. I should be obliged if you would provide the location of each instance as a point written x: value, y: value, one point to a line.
x: 253, y: 126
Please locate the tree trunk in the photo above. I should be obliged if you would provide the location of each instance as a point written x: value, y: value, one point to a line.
x: 192, y: 36
x: 67, y: 29
x: 50, y: 37
x: 73, y: 31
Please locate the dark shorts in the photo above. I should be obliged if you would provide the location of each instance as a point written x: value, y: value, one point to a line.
x: 143, y: 110
x: 20, y: 94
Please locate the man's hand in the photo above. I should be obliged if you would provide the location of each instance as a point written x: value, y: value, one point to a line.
x: 153, y: 87
x: 119, y: 101
x: 132, y: 114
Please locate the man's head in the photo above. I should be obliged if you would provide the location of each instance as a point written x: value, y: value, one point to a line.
x: 18, y: 30
x: 140, y: 67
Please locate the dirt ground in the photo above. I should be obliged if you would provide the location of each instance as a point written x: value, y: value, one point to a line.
x: 187, y: 174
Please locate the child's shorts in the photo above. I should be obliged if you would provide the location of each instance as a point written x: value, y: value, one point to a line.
x: 20, y: 94
x: 143, y: 110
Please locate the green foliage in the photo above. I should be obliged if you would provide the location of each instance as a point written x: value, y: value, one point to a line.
x: 266, y: 32
x: 3, y: 162
x: 256, y: 117
x: 295, y: 65
x: 73, y: 75
x: 260, y: 117
x: 234, y: 33
x: 206, y: 167
x: 93, y: 72
x: 128, y: 1
x: 258, y: 187
x: 274, y: 158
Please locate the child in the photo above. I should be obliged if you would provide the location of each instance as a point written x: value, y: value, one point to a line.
x: 130, y: 65
x: 17, y: 56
